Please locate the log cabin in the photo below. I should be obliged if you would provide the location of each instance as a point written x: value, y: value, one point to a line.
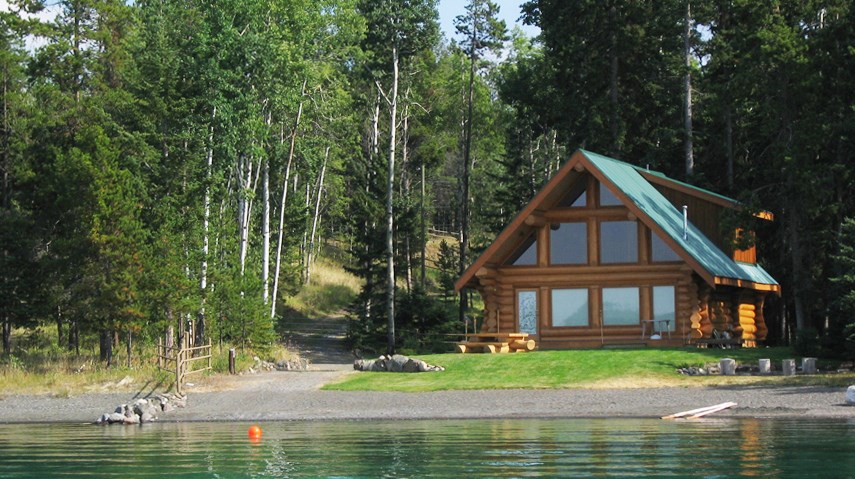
x: 611, y: 254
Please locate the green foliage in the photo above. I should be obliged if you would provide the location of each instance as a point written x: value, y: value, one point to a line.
x: 840, y: 338
x: 807, y: 342
x: 447, y: 263
x: 423, y: 323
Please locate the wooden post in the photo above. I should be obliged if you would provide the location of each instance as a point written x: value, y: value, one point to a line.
x: 231, y: 361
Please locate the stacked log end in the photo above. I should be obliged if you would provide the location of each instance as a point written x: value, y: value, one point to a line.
x: 719, y: 315
x: 759, y: 320
x: 701, y: 324
x: 746, y: 321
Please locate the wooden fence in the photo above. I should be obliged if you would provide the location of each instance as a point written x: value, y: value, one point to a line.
x: 180, y: 360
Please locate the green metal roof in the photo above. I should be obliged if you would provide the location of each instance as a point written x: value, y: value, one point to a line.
x: 629, y: 181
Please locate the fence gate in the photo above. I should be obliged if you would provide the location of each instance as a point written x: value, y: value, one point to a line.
x: 180, y: 360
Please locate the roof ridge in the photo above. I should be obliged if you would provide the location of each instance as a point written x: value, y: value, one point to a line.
x: 662, y: 175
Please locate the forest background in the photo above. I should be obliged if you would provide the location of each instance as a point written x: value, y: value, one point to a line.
x: 184, y: 163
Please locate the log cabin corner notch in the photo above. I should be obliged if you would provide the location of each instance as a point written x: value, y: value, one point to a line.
x: 603, y: 255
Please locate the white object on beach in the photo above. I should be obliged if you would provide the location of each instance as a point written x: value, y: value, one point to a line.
x: 809, y: 365
x: 727, y: 366
x: 788, y: 366
x: 850, y: 396
x: 701, y: 412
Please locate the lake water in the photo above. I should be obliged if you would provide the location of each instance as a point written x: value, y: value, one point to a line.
x: 475, y: 448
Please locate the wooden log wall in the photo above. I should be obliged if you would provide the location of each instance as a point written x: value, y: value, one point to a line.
x: 500, y: 289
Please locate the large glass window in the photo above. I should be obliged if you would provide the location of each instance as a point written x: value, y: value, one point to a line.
x: 527, y: 311
x: 661, y: 252
x: 621, y: 306
x: 607, y: 198
x: 569, y: 307
x: 526, y: 254
x: 568, y: 243
x: 618, y: 242
x: 576, y: 197
x: 664, y: 307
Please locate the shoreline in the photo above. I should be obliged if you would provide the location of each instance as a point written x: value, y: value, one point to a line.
x: 296, y: 396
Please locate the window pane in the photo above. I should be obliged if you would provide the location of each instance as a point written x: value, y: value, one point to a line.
x: 568, y: 243
x: 527, y: 311
x: 607, y: 198
x: 569, y: 307
x: 664, y: 307
x: 661, y: 252
x: 576, y: 197
x: 526, y: 255
x: 620, y: 306
x: 618, y: 242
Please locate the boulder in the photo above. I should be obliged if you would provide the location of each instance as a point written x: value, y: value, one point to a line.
x: 115, y: 418
x: 850, y: 396
x: 396, y: 364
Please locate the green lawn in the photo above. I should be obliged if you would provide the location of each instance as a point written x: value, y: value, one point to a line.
x: 579, y: 369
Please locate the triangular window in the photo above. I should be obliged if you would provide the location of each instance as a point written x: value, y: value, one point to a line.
x: 607, y: 198
x: 526, y: 254
x: 576, y: 197
x: 660, y: 251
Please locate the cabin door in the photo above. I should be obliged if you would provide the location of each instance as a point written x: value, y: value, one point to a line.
x: 527, y: 311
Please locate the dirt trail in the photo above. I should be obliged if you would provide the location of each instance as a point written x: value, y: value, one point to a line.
x: 320, y: 340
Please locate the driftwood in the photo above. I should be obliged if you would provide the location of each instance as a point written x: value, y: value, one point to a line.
x: 700, y: 412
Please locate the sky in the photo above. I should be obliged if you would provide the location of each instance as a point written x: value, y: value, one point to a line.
x: 509, y: 10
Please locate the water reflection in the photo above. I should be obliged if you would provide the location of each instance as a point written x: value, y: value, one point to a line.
x: 488, y: 448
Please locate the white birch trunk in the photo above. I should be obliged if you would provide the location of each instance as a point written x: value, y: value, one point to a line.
x: 282, y: 204
x: 206, y: 221
x: 390, y: 222
x: 265, y: 229
x: 688, y: 146
x: 310, y: 255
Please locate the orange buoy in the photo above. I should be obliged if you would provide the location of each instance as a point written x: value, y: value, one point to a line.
x: 254, y: 432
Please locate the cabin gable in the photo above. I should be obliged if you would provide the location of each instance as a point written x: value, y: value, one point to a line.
x: 598, y: 256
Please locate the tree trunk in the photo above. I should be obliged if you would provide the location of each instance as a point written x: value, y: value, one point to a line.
x: 265, y: 229
x: 74, y: 337
x: 60, y: 334
x: 423, y: 214
x: 206, y: 219
x: 7, y: 334
x: 390, y: 222
x: 467, y: 169
x: 728, y: 144
x: 614, y: 114
x: 316, y: 218
x: 105, y: 347
x: 129, y: 347
x: 284, y: 199
x: 688, y: 147
x: 797, y: 264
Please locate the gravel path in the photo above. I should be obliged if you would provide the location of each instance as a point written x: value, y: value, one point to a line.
x: 277, y: 396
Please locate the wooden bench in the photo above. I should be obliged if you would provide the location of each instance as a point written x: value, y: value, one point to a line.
x: 495, y: 343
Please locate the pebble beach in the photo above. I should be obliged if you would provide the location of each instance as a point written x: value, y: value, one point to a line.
x: 288, y: 396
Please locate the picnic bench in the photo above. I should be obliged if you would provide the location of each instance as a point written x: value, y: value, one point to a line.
x: 495, y: 343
